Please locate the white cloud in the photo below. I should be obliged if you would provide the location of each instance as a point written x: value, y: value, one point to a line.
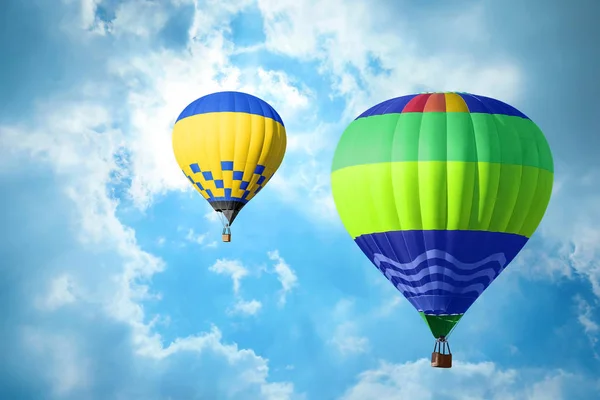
x: 585, y: 317
x: 345, y: 337
x: 285, y: 274
x: 306, y: 186
x: 347, y: 342
x: 571, y: 231
x: 232, y: 268
x: 140, y: 18
x: 286, y: 96
x: 193, y: 237
x: 279, y: 391
x: 243, y: 307
x: 346, y: 36
x: 253, y: 368
x: 200, y: 239
x: 88, y: 19
x: 61, y: 292
x: 419, y: 381
x: 211, y: 245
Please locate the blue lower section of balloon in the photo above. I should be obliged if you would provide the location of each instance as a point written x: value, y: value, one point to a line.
x: 441, y: 272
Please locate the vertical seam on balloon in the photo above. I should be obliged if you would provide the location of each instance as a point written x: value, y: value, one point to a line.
x: 250, y: 138
x: 501, y: 163
x: 282, y: 144
x: 274, y: 156
x: 263, y: 149
x: 250, y: 186
x: 268, y: 152
x: 396, y: 131
x: 204, y: 139
x: 274, y: 149
x: 389, y: 105
x: 476, y: 190
x: 282, y: 148
x: 537, y: 184
x: 201, y: 150
x: 521, y: 166
x: 372, y: 211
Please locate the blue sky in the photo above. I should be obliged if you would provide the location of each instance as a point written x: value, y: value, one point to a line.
x: 114, y: 282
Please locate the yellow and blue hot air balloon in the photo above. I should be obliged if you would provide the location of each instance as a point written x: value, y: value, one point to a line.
x: 441, y: 191
x: 229, y: 145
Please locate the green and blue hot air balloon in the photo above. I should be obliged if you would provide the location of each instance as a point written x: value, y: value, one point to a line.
x: 441, y: 191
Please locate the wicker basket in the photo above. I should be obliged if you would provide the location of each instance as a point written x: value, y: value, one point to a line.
x: 441, y: 356
x: 439, y: 360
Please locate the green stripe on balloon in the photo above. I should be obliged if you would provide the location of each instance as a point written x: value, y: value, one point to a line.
x: 439, y: 136
x: 434, y: 195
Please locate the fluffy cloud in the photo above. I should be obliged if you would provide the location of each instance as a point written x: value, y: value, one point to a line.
x: 237, y: 271
x: 200, y: 239
x: 231, y: 268
x: 285, y: 274
x: 346, y: 338
x: 418, y: 381
x: 246, y: 307
x: 60, y: 293
x: 351, y: 37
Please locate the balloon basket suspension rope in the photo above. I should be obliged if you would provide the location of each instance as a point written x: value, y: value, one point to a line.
x: 441, y: 356
x: 226, y: 235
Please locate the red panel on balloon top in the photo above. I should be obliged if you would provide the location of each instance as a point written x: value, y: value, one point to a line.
x: 417, y: 103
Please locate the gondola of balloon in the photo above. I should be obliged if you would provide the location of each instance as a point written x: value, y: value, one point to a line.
x: 441, y: 191
x: 229, y: 145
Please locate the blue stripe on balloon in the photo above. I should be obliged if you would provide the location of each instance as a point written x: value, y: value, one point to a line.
x: 392, y: 106
x: 487, y: 105
x: 475, y: 104
x: 441, y: 272
x: 230, y: 102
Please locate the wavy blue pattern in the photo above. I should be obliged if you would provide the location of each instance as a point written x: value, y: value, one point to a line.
x: 441, y: 272
x: 439, y: 277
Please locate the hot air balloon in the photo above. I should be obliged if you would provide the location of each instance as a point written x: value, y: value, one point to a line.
x: 229, y: 145
x: 441, y: 191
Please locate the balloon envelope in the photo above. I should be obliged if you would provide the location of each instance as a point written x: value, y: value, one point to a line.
x: 229, y: 145
x: 441, y: 191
